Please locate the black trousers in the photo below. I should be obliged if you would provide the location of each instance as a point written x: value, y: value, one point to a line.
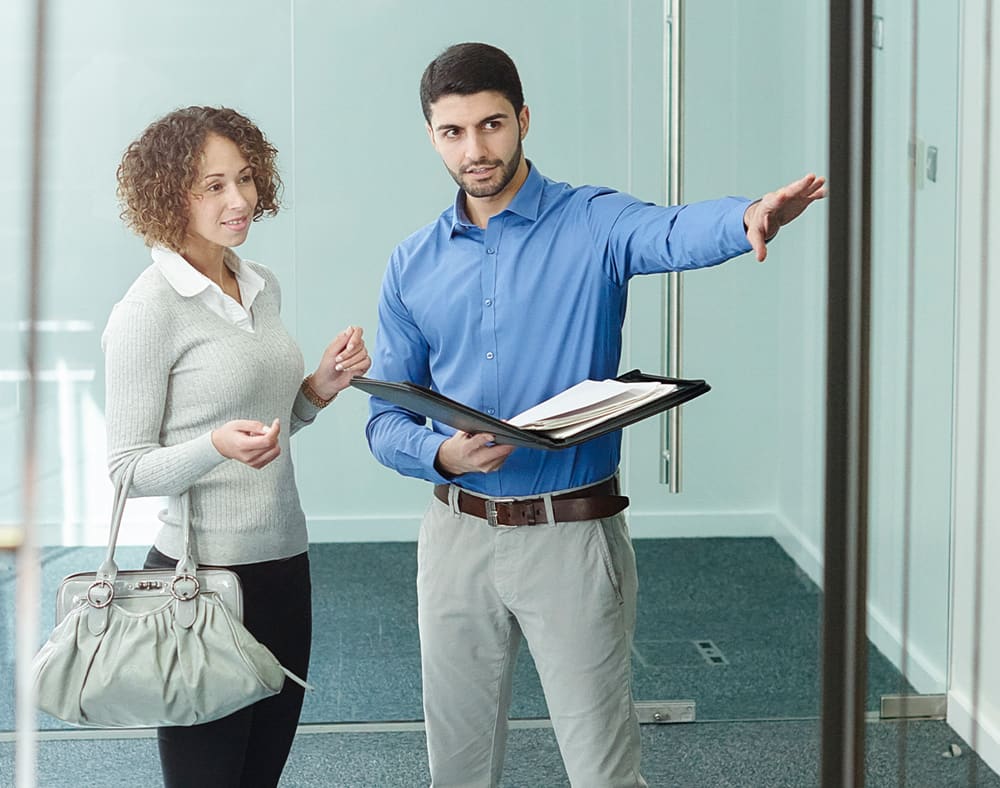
x: 248, y: 749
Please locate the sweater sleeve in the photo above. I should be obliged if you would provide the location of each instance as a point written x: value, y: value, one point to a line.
x: 303, y: 412
x: 138, y: 363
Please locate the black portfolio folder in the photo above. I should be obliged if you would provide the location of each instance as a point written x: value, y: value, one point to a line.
x: 439, y: 408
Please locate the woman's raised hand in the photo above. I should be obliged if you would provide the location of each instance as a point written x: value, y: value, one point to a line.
x: 345, y: 357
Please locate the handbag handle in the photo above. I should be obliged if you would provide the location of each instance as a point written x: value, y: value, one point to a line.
x: 108, y: 570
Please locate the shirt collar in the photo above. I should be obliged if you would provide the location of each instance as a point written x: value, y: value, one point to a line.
x: 525, y: 203
x: 189, y: 281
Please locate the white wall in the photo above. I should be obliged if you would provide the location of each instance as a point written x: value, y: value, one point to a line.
x: 974, y: 708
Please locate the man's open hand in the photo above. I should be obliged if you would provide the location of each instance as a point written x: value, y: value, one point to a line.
x: 774, y: 210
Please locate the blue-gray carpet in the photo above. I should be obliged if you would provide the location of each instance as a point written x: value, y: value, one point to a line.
x: 743, y: 597
x: 700, y: 755
x: 746, y: 597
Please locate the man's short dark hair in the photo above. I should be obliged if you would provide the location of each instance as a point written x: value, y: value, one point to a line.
x: 464, y: 69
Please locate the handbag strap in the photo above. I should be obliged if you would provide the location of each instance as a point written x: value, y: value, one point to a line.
x: 186, y: 564
x: 108, y: 570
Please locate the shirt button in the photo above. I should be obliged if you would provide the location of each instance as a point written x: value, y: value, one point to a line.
x: 488, y: 302
x: 490, y: 354
x: 489, y: 411
x: 490, y: 251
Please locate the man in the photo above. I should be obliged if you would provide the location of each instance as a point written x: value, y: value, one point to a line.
x: 513, y: 294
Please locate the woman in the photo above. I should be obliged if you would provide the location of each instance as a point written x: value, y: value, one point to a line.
x: 204, y: 387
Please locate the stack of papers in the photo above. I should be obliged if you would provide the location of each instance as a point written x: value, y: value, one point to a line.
x: 587, y: 404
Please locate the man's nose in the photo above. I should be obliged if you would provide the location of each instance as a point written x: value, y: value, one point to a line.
x: 475, y: 147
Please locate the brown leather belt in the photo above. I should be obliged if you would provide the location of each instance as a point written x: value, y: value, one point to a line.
x: 589, y: 503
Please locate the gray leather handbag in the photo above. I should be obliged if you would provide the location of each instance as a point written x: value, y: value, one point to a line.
x: 149, y: 648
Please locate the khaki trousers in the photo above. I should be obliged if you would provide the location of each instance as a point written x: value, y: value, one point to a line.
x: 570, y: 590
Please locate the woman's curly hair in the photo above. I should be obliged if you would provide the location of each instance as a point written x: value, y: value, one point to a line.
x: 159, y: 169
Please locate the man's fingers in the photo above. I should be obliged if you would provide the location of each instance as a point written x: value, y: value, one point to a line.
x: 467, y: 452
x: 756, y: 238
x: 485, y: 453
x: 810, y: 186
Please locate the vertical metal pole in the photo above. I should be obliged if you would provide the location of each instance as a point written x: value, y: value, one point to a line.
x: 670, y: 436
x: 28, y: 581
x: 910, y: 290
x: 848, y: 308
x: 982, y: 388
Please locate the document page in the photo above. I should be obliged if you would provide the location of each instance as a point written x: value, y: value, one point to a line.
x: 588, y: 403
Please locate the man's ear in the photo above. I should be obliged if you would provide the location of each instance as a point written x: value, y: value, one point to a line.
x: 524, y: 120
x: 430, y: 134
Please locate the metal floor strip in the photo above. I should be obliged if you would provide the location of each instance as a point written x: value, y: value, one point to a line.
x: 306, y: 729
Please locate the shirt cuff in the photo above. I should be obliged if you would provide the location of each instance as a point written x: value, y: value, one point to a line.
x: 735, y: 230
x: 428, y: 453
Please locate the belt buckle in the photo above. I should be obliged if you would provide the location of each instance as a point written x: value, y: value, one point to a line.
x: 491, y: 512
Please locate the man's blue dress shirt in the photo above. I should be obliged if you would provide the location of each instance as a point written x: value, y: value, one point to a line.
x: 503, y: 318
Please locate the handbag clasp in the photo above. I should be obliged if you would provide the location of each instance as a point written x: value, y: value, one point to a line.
x: 99, y: 602
x: 181, y: 593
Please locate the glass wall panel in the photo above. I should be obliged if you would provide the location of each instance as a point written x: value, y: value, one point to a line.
x: 913, y: 336
x: 730, y: 569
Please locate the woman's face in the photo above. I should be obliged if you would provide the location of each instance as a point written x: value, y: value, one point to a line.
x: 222, y: 199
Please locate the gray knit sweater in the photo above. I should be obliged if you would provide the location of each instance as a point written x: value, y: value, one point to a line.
x: 175, y: 371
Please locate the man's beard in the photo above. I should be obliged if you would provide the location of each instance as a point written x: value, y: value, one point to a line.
x: 506, y: 171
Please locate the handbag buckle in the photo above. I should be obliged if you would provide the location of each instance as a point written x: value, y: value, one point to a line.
x: 181, y: 594
x: 98, y: 602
